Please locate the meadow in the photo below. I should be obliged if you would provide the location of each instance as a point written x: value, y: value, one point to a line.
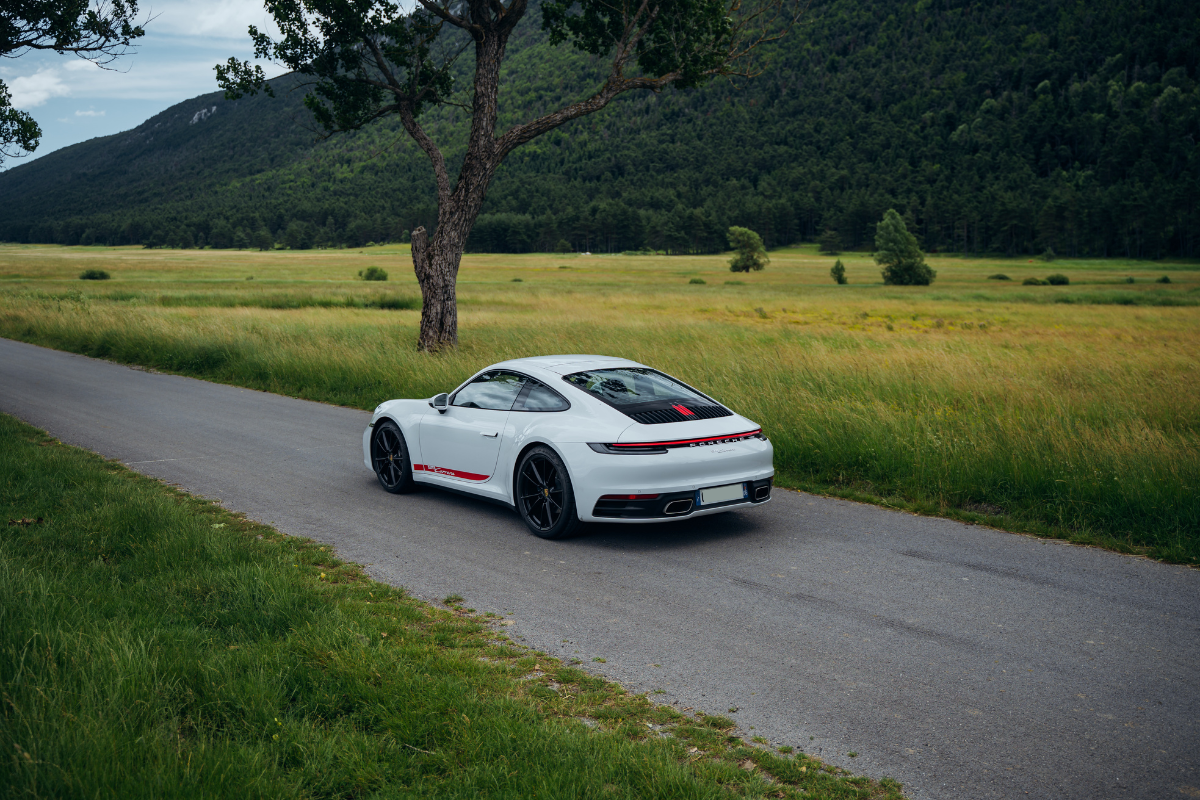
x: 1066, y: 411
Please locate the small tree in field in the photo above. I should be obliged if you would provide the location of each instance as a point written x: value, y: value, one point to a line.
x: 369, y: 59
x: 750, y: 255
x: 838, y: 272
x: 897, y: 251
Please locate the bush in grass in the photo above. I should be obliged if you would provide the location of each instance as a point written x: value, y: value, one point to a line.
x: 372, y: 274
x: 94, y: 275
x: 897, y: 251
x: 829, y: 243
x: 751, y: 254
x: 1129, y: 279
x: 1048, y: 255
x: 999, y: 276
x: 1034, y: 282
x: 563, y: 246
x: 1164, y: 279
x: 1058, y: 279
x: 698, y: 281
x: 838, y: 272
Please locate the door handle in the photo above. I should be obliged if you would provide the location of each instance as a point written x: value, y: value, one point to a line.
x: 491, y: 435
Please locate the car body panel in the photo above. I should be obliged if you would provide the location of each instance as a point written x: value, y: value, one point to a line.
x: 444, y: 451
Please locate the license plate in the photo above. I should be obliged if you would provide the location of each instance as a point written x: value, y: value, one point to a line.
x: 722, y: 494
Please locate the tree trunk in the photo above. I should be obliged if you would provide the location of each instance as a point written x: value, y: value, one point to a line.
x: 436, y: 266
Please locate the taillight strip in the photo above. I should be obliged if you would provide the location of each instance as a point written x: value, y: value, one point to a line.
x: 678, y: 442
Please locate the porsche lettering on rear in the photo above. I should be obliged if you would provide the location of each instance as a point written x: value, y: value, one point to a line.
x: 571, y: 439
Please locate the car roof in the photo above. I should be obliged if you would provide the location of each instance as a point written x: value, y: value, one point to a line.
x: 561, y: 365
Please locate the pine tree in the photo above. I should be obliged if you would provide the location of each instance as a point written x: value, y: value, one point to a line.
x: 838, y: 272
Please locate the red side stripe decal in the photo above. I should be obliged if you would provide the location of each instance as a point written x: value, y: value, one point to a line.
x: 688, y: 441
x: 450, y: 473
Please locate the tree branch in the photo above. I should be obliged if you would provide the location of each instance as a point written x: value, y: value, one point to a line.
x: 615, y: 85
x: 425, y: 143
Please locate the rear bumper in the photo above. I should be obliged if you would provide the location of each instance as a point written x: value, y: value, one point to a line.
x: 676, y: 505
x: 675, y: 476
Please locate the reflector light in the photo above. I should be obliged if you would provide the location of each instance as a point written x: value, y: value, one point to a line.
x: 629, y: 497
x: 680, y: 442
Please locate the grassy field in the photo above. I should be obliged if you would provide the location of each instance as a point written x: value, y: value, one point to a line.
x: 155, y: 645
x: 1066, y: 411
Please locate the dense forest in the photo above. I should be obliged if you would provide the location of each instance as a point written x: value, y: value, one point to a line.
x: 992, y: 127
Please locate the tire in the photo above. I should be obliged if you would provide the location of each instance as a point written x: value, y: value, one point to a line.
x: 544, y: 496
x: 389, y: 458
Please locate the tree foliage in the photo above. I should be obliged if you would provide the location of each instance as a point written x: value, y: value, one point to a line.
x: 838, y: 272
x: 98, y: 30
x: 897, y: 251
x: 750, y: 254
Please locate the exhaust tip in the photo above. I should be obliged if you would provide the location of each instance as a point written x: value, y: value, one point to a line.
x: 677, y: 507
x: 762, y: 493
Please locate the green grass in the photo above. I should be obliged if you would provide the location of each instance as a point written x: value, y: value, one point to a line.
x: 1060, y: 411
x: 154, y: 645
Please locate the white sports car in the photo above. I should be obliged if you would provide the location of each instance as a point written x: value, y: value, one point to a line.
x: 571, y: 439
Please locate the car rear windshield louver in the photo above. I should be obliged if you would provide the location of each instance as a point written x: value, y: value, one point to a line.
x: 677, y: 414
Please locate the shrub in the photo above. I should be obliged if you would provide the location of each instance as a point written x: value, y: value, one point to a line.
x: 735, y: 283
x: 372, y: 274
x: 999, y: 276
x: 94, y: 275
x: 1129, y: 279
x: 698, y: 281
x: 563, y: 246
x: 1049, y: 255
x: 1164, y: 279
x: 1058, y: 279
x: 1034, y: 282
x: 838, y: 272
x: 897, y: 251
x: 518, y: 280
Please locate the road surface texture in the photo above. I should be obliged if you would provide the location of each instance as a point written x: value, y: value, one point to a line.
x: 963, y: 661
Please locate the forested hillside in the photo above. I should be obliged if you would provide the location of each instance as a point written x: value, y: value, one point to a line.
x: 993, y: 127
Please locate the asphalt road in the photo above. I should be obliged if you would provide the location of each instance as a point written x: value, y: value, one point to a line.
x: 964, y: 662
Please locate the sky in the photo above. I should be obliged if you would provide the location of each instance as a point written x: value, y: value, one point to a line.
x: 74, y: 100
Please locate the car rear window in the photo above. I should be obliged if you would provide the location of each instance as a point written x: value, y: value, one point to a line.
x: 628, y: 385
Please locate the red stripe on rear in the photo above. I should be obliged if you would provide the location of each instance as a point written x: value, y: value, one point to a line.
x: 688, y: 441
x: 687, y: 412
x: 450, y: 473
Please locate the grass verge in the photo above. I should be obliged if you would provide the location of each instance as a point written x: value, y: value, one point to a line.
x: 154, y: 645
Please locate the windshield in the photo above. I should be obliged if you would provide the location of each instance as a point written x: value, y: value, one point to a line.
x: 629, y: 385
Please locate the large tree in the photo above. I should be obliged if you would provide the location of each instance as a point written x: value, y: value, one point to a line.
x: 369, y: 59
x: 98, y: 30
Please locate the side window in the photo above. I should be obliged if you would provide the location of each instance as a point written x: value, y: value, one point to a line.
x: 539, y: 397
x: 492, y: 390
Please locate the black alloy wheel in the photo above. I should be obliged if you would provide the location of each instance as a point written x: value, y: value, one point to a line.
x: 544, y: 497
x: 389, y: 458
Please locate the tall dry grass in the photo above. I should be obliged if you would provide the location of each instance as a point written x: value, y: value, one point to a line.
x: 1075, y: 420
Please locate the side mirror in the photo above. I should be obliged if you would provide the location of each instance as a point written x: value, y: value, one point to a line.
x: 441, y: 402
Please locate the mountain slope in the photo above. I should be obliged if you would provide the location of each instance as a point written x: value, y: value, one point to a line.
x: 993, y: 127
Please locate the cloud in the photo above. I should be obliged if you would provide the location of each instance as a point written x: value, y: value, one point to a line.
x: 211, y: 19
x: 30, y: 91
x: 89, y: 113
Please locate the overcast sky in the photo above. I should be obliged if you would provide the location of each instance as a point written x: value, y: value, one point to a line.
x: 73, y: 100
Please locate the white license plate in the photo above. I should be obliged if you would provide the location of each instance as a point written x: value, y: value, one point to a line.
x: 722, y: 494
